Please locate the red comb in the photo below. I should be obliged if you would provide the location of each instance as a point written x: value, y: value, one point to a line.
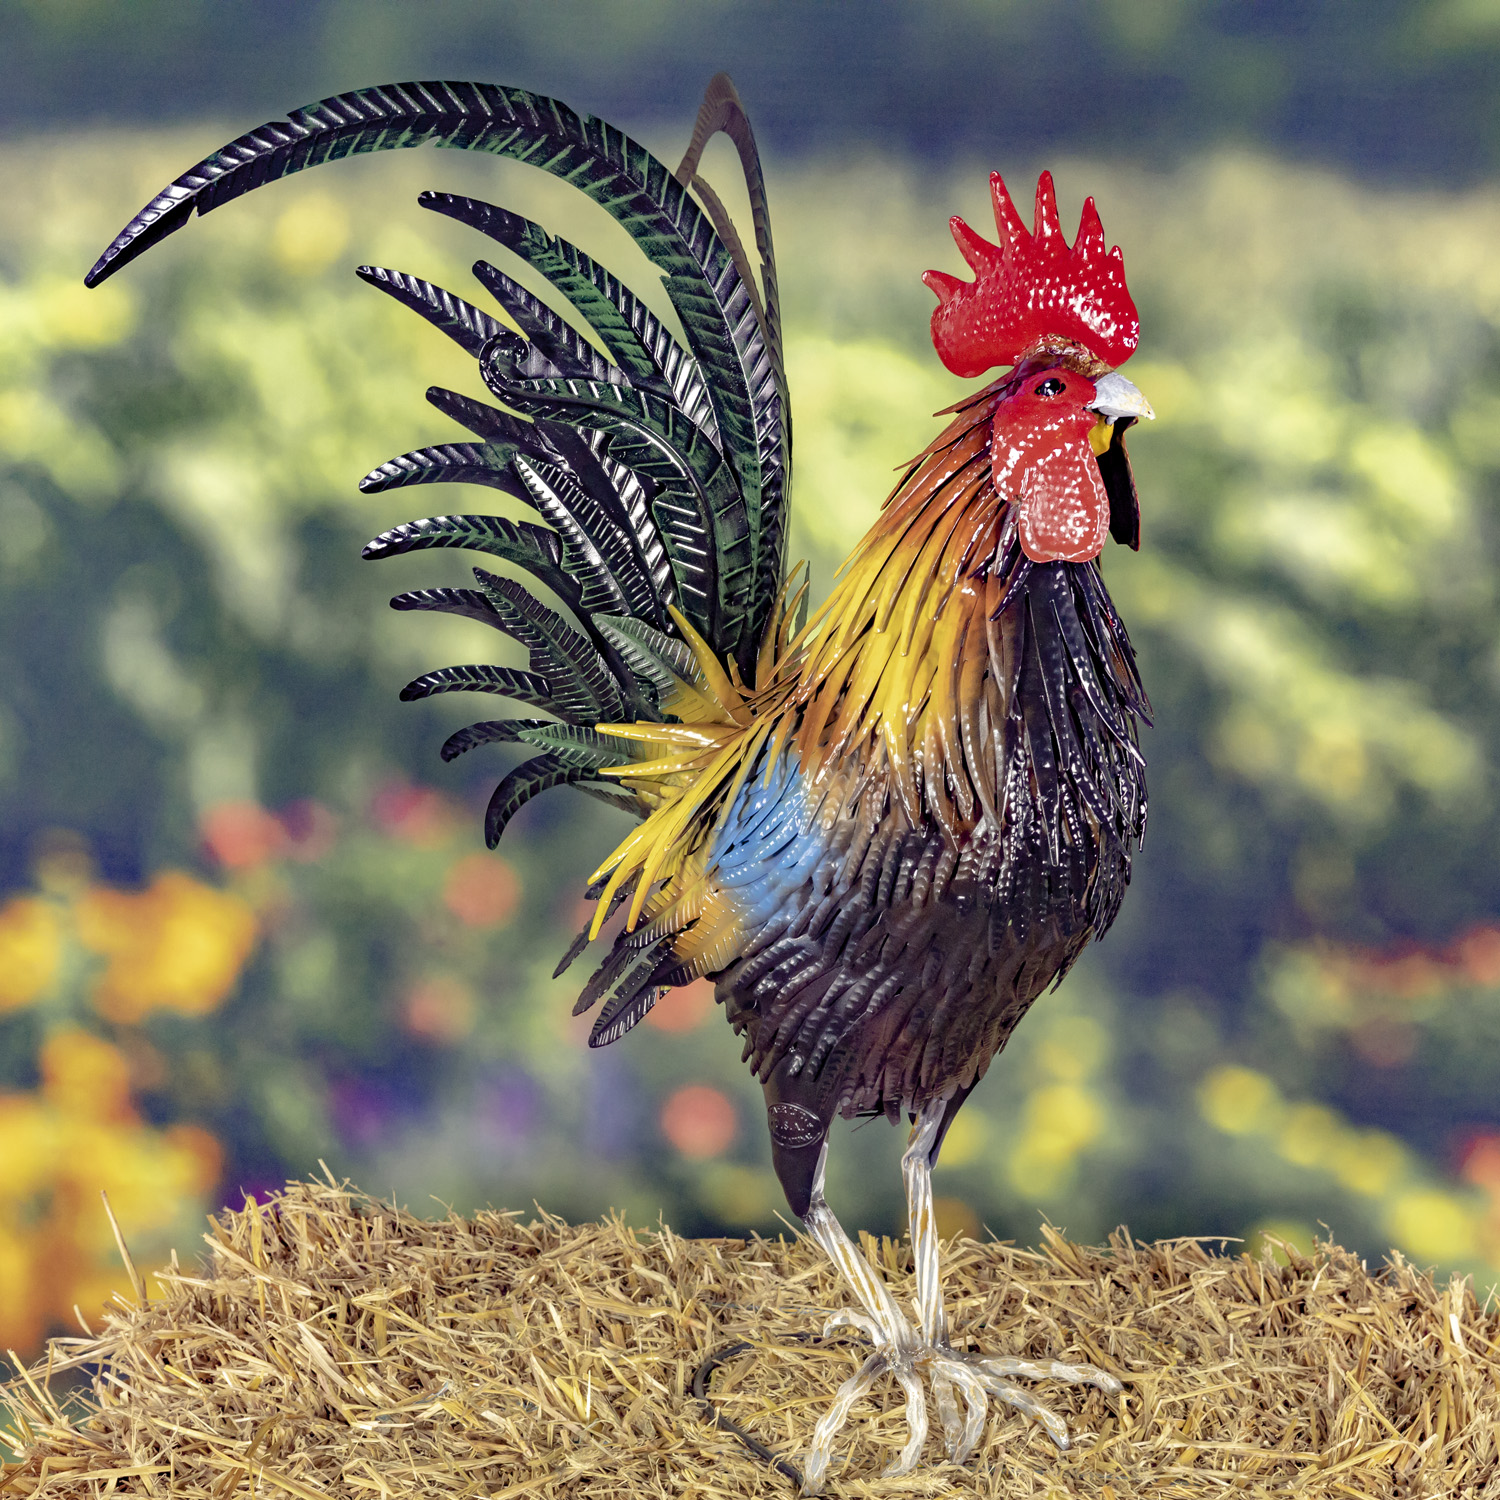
x: 1032, y: 289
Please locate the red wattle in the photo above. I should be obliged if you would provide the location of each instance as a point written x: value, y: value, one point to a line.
x: 1064, y: 510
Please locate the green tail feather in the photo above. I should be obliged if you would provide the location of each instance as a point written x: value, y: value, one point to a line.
x: 528, y: 779
x: 468, y: 326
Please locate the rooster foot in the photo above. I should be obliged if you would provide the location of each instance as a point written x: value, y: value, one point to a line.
x: 910, y: 1352
x: 901, y: 1352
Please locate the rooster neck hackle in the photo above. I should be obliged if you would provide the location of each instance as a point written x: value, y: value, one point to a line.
x: 884, y: 671
x: 893, y: 701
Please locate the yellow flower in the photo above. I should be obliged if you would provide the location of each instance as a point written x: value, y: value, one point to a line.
x: 58, y: 1148
x: 178, y: 946
x: 28, y: 1140
x: 20, y: 1309
x: 1239, y: 1101
x: 1059, y: 1120
x: 30, y: 951
x: 84, y: 1077
x: 1431, y: 1225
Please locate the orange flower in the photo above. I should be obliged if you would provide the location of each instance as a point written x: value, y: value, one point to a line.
x: 1405, y: 971
x: 30, y: 951
x: 482, y: 890
x: 699, y: 1120
x: 683, y: 1008
x: 1478, y: 951
x: 1480, y: 1162
x: 80, y: 1133
x: 178, y: 946
x: 242, y: 835
x: 199, y: 1154
x: 440, y: 1009
x: 955, y: 1217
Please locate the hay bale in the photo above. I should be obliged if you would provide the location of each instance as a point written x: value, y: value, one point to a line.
x: 334, y: 1345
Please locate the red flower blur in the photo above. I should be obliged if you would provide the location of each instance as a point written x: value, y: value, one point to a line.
x: 482, y: 890
x: 414, y: 814
x: 440, y: 1009
x: 699, y: 1121
x: 242, y: 835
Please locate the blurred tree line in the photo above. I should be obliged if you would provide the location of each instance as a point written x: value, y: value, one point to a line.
x: 246, y: 917
x: 1389, y: 87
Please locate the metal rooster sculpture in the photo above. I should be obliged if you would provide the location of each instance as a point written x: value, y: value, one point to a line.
x: 883, y: 832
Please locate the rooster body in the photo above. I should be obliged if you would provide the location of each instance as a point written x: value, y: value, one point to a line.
x: 883, y: 831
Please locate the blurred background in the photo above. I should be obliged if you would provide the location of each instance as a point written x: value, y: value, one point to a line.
x: 248, y: 928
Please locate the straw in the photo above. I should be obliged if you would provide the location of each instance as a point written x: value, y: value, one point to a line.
x: 333, y: 1345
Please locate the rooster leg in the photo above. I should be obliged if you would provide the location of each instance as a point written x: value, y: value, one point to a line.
x: 896, y: 1342
x: 908, y: 1352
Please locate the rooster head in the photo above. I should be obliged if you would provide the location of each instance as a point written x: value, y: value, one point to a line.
x: 1063, y: 316
x: 1057, y: 452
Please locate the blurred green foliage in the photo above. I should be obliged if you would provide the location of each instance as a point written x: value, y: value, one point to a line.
x: 1296, y: 1020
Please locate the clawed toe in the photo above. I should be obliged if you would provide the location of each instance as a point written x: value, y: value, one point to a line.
x: 1027, y: 1404
x: 960, y: 1438
x: 974, y: 1377
x: 1004, y: 1367
x: 867, y: 1325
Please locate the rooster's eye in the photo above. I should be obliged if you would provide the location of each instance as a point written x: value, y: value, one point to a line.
x: 1049, y: 387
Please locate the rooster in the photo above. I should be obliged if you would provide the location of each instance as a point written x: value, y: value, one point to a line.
x: 882, y: 831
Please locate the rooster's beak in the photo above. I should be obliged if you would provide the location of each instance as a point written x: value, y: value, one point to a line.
x: 1115, y: 397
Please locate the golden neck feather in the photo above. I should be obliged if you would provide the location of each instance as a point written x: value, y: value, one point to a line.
x: 893, y: 668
